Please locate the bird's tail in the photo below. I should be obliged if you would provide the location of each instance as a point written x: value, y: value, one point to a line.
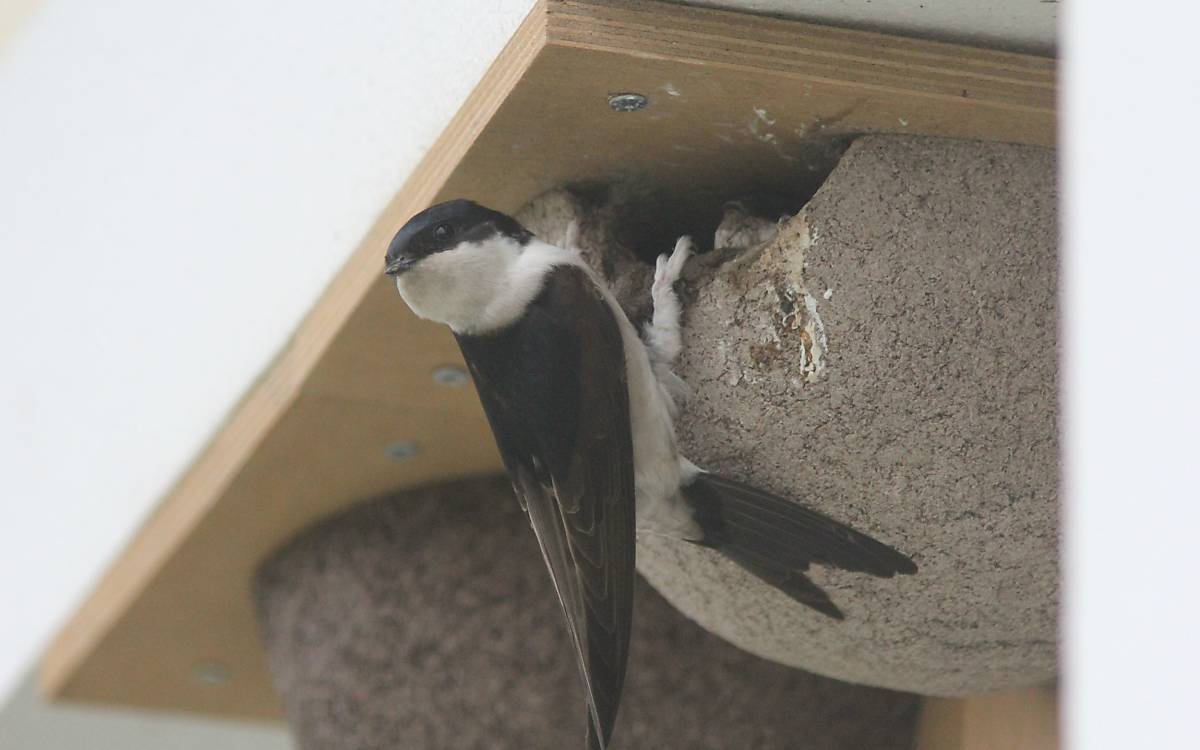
x: 776, y: 539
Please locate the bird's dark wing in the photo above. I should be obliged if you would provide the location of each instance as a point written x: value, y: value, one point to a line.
x: 776, y: 539
x: 553, y: 387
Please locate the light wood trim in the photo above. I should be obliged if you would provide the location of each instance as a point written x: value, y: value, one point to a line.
x: 1020, y: 719
x: 14, y: 14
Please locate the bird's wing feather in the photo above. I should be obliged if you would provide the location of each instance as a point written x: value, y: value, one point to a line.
x: 776, y: 539
x: 553, y: 387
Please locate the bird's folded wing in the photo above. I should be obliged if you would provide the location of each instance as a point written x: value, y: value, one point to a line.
x: 554, y: 390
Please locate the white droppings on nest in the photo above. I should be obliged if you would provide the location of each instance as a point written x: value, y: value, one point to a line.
x: 795, y: 240
x: 815, y: 330
x: 799, y: 331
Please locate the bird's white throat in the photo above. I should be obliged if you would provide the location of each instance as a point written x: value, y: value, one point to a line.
x: 479, y: 287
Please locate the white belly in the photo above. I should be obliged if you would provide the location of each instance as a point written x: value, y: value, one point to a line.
x: 658, y: 467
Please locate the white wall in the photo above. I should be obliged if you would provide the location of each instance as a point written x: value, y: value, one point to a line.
x: 28, y: 723
x: 1132, y: 379
x: 178, y: 182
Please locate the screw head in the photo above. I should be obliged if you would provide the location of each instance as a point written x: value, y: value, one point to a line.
x: 210, y: 673
x: 452, y: 376
x: 401, y: 450
x: 627, y: 102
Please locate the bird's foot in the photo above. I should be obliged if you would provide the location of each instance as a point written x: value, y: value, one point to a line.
x: 571, y: 236
x: 663, y: 339
x: 662, y: 333
x: 668, y: 269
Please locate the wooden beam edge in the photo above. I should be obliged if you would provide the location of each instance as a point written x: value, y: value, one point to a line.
x: 655, y: 15
x: 251, y: 420
x: 778, y: 47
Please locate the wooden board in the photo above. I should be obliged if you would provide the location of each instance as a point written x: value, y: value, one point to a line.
x: 1025, y: 718
x: 735, y: 102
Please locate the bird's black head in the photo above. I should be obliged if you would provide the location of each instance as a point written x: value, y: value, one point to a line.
x: 446, y: 226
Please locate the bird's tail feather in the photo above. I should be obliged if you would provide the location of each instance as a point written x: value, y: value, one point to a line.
x: 776, y: 539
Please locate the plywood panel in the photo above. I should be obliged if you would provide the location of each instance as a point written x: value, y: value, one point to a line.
x: 1026, y: 718
x: 736, y: 102
x: 197, y: 608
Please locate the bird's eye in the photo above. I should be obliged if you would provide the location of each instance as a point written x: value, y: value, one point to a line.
x: 443, y: 231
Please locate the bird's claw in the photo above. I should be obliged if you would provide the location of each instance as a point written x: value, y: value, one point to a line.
x: 571, y: 236
x: 668, y: 269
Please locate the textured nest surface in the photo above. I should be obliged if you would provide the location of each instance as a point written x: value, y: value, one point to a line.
x: 890, y: 359
x: 427, y: 620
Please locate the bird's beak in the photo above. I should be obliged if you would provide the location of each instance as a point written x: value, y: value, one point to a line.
x: 399, y: 265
